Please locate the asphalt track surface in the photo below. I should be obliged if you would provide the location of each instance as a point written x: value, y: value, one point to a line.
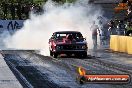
x: 46, y: 72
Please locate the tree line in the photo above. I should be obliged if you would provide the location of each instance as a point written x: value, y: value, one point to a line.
x: 19, y: 9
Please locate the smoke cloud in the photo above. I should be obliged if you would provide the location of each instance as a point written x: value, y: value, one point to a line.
x: 38, y: 29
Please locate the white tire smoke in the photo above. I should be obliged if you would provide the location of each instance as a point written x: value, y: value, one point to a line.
x: 38, y: 29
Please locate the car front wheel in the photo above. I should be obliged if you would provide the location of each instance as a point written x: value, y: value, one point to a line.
x: 84, y: 55
x: 51, y: 53
x: 55, y: 55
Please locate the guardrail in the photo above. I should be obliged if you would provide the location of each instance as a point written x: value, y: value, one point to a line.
x: 121, y: 44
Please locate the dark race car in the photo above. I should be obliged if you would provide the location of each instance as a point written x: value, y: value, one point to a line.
x: 69, y: 43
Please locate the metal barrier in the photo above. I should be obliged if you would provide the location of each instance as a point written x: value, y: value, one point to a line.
x: 121, y: 44
x: 114, y: 42
x: 129, y: 45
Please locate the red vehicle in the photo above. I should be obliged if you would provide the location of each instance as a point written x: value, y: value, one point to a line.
x: 69, y: 43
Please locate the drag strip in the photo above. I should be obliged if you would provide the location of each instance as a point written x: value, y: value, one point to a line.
x: 19, y: 76
x: 47, y: 72
x: 27, y: 74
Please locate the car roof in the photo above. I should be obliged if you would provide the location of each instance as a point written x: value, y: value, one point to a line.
x: 67, y: 32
